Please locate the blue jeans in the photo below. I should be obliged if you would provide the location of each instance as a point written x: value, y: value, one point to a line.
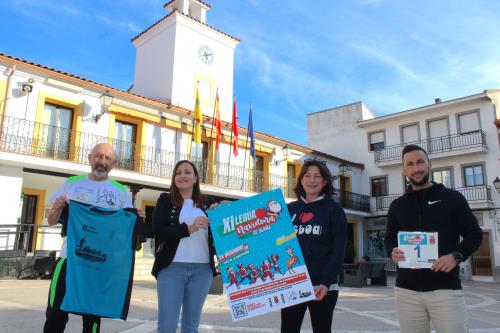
x: 182, y: 284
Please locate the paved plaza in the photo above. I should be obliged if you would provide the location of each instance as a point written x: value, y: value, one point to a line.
x: 368, y: 309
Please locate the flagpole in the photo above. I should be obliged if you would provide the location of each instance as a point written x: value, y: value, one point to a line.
x: 230, y: 144
x: 246, y: 148
x: 230, y: 153
x: 213, y: 114
x: 190, y: 145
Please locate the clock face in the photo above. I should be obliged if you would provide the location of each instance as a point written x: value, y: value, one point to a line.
x: 206, y: 54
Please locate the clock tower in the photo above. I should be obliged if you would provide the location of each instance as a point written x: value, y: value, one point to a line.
x: 181, y: 53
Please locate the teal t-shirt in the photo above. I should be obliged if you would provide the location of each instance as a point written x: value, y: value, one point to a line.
x: 100, y: 260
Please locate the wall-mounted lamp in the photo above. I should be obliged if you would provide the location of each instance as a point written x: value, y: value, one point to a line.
x: 106, y: 101
x: 496, y: 184
x: 342, y: 171
x: 342, y: 168
x: 27, y: 88
x: 285, y: 155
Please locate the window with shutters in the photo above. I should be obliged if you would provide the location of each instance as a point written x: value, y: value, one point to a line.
x: 438, y: 128
x: 376, y: 140
x: 439, y: 135
x: 468, y: 122
x: 410, y: 134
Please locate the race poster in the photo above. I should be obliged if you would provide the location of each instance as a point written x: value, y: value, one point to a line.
x: 259, y: 255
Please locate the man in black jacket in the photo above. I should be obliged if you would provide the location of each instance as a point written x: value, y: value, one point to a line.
x: 435, y: 294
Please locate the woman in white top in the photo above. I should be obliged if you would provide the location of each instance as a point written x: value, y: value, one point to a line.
x: 184, y: 265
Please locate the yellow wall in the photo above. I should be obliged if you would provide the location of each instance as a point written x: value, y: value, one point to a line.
x: 348, y: 183
x: 139, y: 119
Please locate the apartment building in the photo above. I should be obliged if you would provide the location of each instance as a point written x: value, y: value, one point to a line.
x: 49, y: 121
x: 462, y: 138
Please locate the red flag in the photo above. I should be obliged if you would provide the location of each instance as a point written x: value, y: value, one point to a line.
x: 235, y: 129
x: 217, y: 121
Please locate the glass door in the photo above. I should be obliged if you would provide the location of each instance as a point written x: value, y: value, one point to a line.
x: 125, y: 135
x: 258, y: 180
x: 56, y: 131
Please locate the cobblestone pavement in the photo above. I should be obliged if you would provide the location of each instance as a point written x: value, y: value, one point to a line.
x: 360, y: 310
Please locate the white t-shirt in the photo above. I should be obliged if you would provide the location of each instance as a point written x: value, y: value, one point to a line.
x: 106, y: 193
x: 193, y: 249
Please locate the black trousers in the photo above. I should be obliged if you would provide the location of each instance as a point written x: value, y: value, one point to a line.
x: 321, y: 314
x: 55, y: 318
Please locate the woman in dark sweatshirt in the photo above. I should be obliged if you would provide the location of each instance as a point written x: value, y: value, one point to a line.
x: 321, y: 227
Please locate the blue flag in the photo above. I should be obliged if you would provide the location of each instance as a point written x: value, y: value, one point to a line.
x: 251, y: 135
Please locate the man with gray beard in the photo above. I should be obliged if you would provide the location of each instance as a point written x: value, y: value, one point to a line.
x: 97, y: 189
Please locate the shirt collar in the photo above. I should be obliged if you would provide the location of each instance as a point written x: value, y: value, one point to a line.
x: 317, y: 199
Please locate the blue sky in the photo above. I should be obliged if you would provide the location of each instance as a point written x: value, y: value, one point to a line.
x: 295, y: 56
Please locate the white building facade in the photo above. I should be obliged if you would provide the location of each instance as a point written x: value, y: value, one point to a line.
x: 462, y: 139
x: 50, y: 120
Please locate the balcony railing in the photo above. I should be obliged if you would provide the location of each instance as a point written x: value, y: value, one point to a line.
x: 383, y: 202
x: 24, y: 236
x: 473, y: 194
x: 354, y: 201
x: 438, y: 145
x: 480, y: 193
x: 42, y: 140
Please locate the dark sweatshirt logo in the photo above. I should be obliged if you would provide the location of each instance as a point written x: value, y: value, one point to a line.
x: 306, y: 217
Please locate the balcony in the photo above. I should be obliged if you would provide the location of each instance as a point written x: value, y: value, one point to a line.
x: 383, y: 202
x: 477, y: 197
x: 449, y: 145
x: 354, y: 201
x: 41, y: 140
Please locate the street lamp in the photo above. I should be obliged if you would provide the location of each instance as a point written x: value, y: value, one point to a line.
x: 285, y: 155
x: 496, y: 184
x: 106, y: 101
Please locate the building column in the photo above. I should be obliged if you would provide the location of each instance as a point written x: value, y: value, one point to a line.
x: 11, y: 179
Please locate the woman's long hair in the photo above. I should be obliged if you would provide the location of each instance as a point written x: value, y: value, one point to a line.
x: 327, y: 190
x: 175, y: 195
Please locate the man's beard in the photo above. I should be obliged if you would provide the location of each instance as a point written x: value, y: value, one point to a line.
x: 424, y: 180
x: 100, y: 171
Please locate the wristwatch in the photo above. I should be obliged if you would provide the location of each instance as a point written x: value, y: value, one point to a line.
x: 458, y: 256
